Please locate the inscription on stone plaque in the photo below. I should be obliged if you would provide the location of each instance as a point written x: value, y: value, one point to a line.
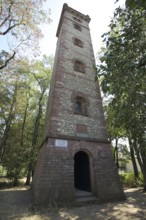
x: 61, y: 143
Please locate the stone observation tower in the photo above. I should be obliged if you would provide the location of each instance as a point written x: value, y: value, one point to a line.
x: 76, y: 155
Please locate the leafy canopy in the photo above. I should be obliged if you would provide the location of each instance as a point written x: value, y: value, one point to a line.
x: 122, y: 66
x: 20, y: 27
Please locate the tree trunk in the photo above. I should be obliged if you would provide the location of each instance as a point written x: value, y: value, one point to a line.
x: 143, y: 156
x: 116, y: 154
x: 135, y: 169
x: 15, y: 181
x: 23, y: 124
x: 142, y: 167
x: 28, y: 178
x: 8, y: 124
x: 22, y: 135
x: 34, y: 140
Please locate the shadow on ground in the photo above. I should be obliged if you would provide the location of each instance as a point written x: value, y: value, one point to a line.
x: 15, y: 204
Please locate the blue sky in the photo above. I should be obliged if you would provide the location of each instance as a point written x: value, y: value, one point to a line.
x: 100, y: 12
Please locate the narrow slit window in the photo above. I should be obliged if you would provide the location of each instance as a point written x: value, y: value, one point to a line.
x: 78, y: 106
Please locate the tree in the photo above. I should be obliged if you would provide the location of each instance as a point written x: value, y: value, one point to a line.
x: 122, y: 66
x: 131, y: 4
x: 20, y: 23
x: 12, y: 144
x: 40, y: 72
x: 24, y: 135
x: 7, y: 122
x: 115, y: 133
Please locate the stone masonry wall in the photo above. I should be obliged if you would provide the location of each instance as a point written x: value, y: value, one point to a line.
x: 67, y: 82
x: 67, y: 132
x: 56, y: 182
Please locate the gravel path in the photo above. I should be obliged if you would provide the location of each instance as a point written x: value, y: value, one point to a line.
x: 15, y: 204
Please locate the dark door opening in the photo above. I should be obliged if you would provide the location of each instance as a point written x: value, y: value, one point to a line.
x: 82, y: 171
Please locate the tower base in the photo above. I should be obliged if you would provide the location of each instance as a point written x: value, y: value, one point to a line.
x: 67, y: 165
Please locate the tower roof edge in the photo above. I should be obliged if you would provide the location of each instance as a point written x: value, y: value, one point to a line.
x: 72, y: 11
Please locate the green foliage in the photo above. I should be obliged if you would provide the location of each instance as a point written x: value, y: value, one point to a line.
x: 122, y: 67
x: 24, y: 91
x: 129, y: 180
x: 20, y: 27
x: 132, y: 4
x: 114, y: 130
x: 3, y: 171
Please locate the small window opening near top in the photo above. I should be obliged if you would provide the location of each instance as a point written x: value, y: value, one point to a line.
x: 79, y: 66
x: 78, y: 27
x: 78, y: 42
x: 80, y: 106
x: 77, y: 19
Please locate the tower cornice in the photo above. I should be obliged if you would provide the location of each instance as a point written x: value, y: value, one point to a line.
x: 74, y: 13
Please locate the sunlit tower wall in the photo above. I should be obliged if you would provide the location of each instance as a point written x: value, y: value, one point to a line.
x: 76, y: 154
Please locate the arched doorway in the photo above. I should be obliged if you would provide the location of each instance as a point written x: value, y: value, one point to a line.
x: 82, y: 171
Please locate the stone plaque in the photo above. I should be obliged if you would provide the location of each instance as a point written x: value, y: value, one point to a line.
x: 80, y: 128
x: 61, y: 143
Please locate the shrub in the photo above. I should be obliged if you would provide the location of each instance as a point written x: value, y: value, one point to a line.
x: 3, y: 171
x: 129, y: 180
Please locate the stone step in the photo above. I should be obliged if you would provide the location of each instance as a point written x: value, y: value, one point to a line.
x: 85, y: 198
x: 80, y: 193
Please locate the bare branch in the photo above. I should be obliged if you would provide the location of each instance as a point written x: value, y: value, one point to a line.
x: 9, y: 14
x: 7, y: 61
x: 10, y: 28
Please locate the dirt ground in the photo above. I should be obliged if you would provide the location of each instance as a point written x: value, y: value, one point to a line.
x: 15, y: 204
